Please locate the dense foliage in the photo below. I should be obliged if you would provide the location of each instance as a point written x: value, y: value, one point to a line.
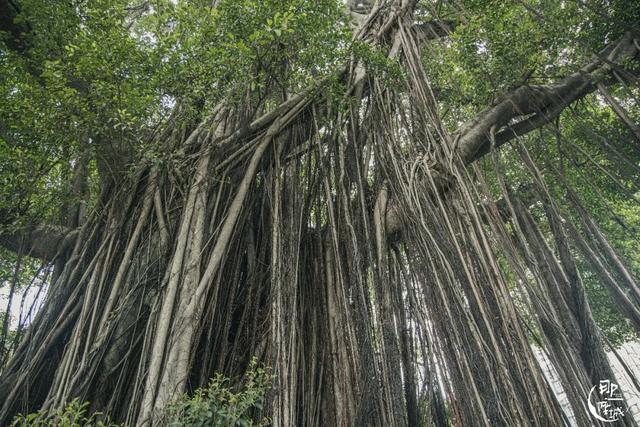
x: 221, y: 405
x: 73, y: 415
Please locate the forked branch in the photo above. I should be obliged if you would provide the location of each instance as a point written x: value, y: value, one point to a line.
x: 532, y: 106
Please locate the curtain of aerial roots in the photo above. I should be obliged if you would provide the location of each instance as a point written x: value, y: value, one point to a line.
x: 348, y: 249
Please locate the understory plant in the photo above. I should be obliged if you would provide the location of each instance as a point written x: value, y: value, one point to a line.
x: 72, y: 415
x: 223, y: 404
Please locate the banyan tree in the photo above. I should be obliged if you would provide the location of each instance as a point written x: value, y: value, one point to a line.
x: 411, y: 212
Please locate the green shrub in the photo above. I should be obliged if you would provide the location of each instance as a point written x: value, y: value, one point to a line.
x: 222, y: 405
x: 73, y: 415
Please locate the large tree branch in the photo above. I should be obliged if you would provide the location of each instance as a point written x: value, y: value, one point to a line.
x: 532, y: 106
x: 41, y: 241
